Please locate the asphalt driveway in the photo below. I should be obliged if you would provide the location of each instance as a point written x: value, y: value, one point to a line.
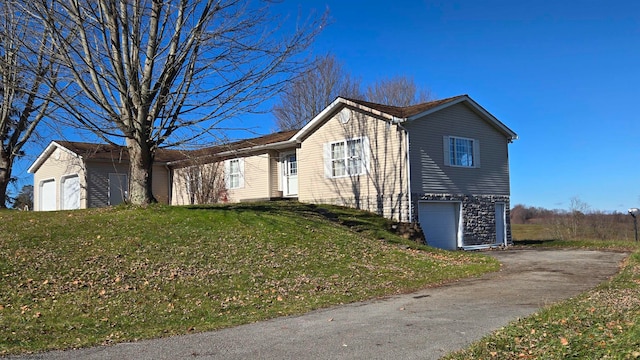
x: 422, y: 325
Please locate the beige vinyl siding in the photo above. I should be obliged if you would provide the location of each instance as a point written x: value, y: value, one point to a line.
x: 382, y: 189
x: 59, y: 164
x: 179, y: 190
x: 211, y: 174
x: 430, y: 174
x: 256, y: 184
x: 260, y: 180
x: 160, y: 184
x: 275, y: 174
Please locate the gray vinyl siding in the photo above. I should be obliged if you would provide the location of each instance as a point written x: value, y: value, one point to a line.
x: 429, y: 174
x: 98, y: 181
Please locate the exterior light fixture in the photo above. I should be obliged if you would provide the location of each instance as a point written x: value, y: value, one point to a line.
x: 635, y: 212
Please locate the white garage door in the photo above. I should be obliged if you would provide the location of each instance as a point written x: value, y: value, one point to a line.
x: 440, y: 223
x: 48, y: 195
x: 70, y: 193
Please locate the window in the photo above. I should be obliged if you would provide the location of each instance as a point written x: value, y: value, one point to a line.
x: 292, y: 165
x: 234, y: 170
x: 462, y: 152
x: 346, y: 158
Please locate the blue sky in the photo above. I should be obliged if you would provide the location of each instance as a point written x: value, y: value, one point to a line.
x: 562, y: 74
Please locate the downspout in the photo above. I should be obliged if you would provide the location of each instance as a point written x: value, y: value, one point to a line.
x: 398, y: 122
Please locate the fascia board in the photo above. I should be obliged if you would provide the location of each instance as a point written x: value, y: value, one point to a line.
x: 242, y: 151
x: 272, y: 146
x: 484, y: 114
x: 437, y: 108
x: 46, y: 153
x: 324, y: 114
x: 311, y: 125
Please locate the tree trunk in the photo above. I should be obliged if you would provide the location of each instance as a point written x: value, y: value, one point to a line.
x: 6, y: 163
x: 140, y: 168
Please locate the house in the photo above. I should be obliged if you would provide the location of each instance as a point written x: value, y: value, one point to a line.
x: 442, y: 164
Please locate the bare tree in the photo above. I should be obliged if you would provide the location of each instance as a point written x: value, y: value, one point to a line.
x: 310, y: 93
x: 162, y: 73
x: 397, y: 91
x: 24, y: 94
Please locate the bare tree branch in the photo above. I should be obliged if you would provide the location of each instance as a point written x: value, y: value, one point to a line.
x: 153, y: 72
x: 26, y: 96
x: 397, y: 91
x: 310, y: 93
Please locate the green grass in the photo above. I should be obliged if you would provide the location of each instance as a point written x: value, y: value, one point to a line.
x: 524, y: 232
x: 603, y: 323
x: 90, y: 277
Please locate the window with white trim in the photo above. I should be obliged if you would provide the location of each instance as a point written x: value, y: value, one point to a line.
x: 234, y: 173
x: 347, y: 157
x: 463, y: 152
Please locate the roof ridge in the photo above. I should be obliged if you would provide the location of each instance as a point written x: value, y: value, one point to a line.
x: 405, y: 111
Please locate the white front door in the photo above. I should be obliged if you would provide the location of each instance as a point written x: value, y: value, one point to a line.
x: 501, y: 233
x: 289, y: 174
x: 118, y: 187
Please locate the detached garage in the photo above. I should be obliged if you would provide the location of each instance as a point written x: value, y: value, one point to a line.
x: 441, y: 224
x: 59, y: 180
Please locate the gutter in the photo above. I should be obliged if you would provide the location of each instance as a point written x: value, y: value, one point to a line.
x: 274, y: 146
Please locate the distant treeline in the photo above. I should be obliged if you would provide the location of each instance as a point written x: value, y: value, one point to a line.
x: 579, y: 222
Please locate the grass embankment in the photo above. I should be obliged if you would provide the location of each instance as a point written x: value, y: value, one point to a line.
x: 89, y: 277
x: 603, y: 323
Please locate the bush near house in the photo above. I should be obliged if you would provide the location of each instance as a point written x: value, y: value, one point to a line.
x: 89, y: 277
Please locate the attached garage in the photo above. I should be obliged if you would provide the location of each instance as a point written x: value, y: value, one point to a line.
x: 48, y: 195
x: 441, y: 224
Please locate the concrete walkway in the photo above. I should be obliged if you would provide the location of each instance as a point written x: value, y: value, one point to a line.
x: 422, y: 325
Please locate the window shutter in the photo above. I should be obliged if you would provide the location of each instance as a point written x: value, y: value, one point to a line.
x: 241, y: 169
x: 326, y: 151
x: 446, y: 151
x: 366, y: 154
x: 227, y: 169
x: 476, y: 153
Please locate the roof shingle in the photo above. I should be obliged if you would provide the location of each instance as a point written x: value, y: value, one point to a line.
x: 110, y: 152
x: 405, y: 111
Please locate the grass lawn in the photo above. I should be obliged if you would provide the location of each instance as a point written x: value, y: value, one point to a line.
x: 89, y: 277
x: 603, y: 323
